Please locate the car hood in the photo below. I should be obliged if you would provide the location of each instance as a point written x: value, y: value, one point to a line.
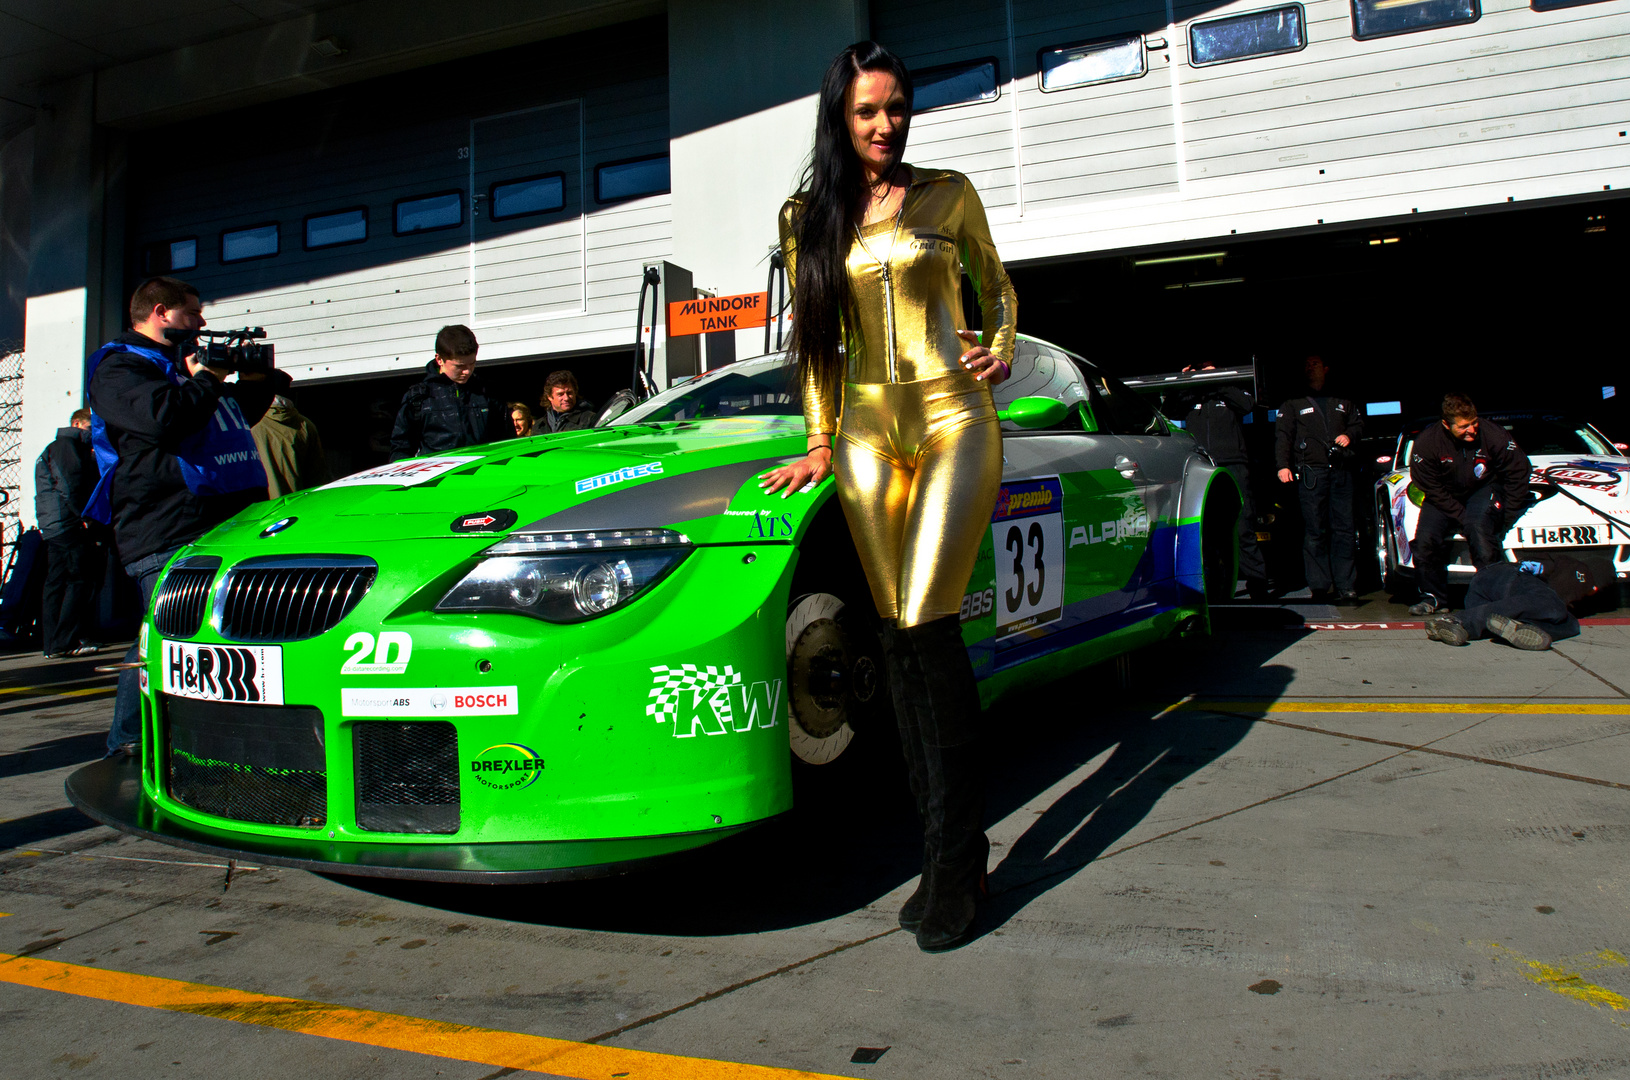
x: 1602, y: 481
x: 692, y: 473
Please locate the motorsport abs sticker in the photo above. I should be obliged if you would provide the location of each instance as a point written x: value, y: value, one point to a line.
x: 507, y: 767
x: 438, y: 701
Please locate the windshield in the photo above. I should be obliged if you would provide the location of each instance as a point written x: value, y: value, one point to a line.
x: 764, y: 387
x: 1538, y: 435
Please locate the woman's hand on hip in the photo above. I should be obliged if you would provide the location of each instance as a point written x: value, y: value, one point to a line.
x: 981, y: 361
x: 806, y: 472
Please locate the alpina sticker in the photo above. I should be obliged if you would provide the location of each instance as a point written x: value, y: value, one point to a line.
x: 628, y: 472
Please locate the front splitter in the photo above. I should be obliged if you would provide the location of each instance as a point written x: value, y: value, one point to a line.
x: 110, y: 792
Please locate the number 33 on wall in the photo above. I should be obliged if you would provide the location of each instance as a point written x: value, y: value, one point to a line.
x: 1027, y: 533
x: 391, y: 657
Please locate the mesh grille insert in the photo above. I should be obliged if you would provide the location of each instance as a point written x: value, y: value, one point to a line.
x: 407, y: 777
x: 178, y: 606
x: 291, y: 601
x: 260, y: 763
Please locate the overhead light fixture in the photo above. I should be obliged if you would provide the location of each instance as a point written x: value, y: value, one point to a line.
x: 1377, y: 241
x: 1201, y: 284
x: 327, y: 48
x: 1197, y: 257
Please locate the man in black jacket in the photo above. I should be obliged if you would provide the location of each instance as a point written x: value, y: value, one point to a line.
x: 1213, y: 415
x: 560, y: 407
x: 1475, y: 479
x: 173, y: 441
x: 451, y: 407
x: 1312, y: 445
x: 64, y: 478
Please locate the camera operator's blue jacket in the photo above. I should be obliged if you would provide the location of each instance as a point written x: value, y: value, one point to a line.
x: 176, y: 452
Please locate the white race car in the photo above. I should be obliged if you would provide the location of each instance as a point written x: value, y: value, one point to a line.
x: 1580, y: 480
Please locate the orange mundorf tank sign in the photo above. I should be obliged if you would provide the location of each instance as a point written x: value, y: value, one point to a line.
x: 714, y: 313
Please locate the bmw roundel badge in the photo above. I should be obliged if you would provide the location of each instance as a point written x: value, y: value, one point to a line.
x: 277, y: 526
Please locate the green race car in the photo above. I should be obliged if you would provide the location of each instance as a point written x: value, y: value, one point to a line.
x: 557, y: 656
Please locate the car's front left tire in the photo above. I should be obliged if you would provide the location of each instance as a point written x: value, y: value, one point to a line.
x: 834, y: 678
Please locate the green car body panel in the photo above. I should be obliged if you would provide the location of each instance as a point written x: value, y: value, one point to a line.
x: 663, y: 723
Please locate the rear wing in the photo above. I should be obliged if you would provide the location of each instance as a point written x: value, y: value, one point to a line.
x: 1163, y: 384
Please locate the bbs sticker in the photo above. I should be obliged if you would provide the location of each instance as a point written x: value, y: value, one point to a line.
x: 977, y: 605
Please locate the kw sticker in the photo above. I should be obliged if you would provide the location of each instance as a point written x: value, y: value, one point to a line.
x: 390, y: 656
x: 431, y: 701
x: 507, y: 767
x: 627, y: 472
x: 704, y: 699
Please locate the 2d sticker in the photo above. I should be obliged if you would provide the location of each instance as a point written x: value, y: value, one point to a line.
x: 403, y: 473
x: 627, y: 472
x: 390, y: 655
x: 507, y: 767
x: 440, y: 701
x: 709, y: 701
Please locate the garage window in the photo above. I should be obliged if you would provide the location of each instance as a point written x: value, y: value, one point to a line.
x: 1093, y: 62
x: 966, y: 83
x: 340, y: 227
x: 618, y: 180
x: 1383, y: 18
x: 255, y: 242
x: 528, y: 195
x: 184, y: 253
x: 427, y: 213
x: 1558, y: 5
x: 1241, y: 37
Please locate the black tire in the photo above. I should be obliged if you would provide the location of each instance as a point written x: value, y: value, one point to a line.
x: 1219, y: 543
x: 835, y: 682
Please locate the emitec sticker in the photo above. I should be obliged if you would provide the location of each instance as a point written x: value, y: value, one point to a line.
x: 441, y: 701
x: 403, y: 473
x: 627, y: 472
x: 507, y: 766
x: 713, y: 702
x: 247, y: 673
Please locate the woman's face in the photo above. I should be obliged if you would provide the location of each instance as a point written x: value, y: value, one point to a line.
x: 518, y: 418
x: 877, y: 119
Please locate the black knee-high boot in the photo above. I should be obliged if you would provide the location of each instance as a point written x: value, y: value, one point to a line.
x: 905, y: 676
x: 944, y: 704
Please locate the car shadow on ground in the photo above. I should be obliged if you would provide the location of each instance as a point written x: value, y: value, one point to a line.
x: 853, y: 836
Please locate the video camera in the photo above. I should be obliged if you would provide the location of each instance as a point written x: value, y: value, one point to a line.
x: 234, y: 350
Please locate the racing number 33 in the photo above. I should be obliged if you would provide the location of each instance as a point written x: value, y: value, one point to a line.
x: 1027, y: 531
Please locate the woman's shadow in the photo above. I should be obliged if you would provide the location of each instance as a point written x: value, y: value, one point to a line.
x: 853, y: 836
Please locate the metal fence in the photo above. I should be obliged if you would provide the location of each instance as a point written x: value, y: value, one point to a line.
x: 11, y: 442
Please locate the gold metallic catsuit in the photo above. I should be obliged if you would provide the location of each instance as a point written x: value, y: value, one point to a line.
x: 918, y: 450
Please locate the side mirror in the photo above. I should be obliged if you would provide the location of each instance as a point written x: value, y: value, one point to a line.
x: 1034, y: 412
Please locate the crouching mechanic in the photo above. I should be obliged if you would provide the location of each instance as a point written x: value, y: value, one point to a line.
x: 1475, y: 479
x: 175, y: 450
x: 1525, y: 606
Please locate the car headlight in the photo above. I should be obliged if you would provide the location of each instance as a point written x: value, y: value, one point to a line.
x: 567, y: 577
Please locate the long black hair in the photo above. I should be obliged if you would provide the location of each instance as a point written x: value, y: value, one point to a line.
x: 834, y: 189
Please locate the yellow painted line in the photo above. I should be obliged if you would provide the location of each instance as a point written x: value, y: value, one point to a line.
x: 1567, y: 981
x: 1520, y: 708
x: 433, y: 1038
x: 49, y: 690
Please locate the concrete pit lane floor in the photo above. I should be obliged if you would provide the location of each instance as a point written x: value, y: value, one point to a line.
x: 1282, y: 852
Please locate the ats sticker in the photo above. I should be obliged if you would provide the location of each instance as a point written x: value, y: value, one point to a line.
x: 404, y: 473
x: 628, y: 472
x: 768, y: 526
x: 704, y: 699
x: 507, y: 766
x: 390, y: 656
x: 248, y: 673
x: 442, y: 701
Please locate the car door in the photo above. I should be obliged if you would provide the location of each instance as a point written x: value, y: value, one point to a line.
x: 1051, y: 571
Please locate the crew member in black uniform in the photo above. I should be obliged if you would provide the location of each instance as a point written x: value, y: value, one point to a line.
x: 1212, y: 414
x: 1313, y: 446
x: 1475, y: 479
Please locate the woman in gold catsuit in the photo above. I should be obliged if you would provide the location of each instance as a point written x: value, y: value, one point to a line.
x: 903, y: 415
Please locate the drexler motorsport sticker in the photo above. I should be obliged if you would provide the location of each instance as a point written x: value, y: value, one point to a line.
x: 431, y: 701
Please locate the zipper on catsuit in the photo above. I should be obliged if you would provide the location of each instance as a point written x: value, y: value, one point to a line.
x: 888, y: 281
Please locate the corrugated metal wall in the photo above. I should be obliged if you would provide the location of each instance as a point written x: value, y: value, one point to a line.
x: 550, y: 282
x: 1518, y: 105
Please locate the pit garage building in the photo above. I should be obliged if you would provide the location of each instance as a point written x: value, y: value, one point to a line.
x: 1428, y: 190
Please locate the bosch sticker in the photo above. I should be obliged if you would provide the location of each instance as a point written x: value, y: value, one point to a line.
x: 431, y: 701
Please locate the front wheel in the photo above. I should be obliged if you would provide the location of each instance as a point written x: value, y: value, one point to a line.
x: 834, y: 681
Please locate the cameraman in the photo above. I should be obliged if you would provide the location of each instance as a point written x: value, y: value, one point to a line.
x: 174, y: 446
x: 1313, y: 443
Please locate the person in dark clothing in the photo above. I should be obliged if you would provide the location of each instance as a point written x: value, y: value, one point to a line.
x: 173, y: 442
x: 451, y: 407
x: 1312, y: 446
x: 64, y: 478
x: 1475, y: 479
x: 559, y: 407
x: 1212, y: 414
x: 1524, y: 605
